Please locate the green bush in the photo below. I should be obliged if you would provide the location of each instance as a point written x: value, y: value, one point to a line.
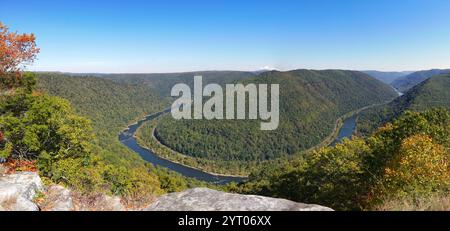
x: 136, y: 183
x: 85, y: 176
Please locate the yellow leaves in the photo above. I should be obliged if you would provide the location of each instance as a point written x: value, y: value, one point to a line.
x: 420, y: 168
x: 385, y: 128
x: 36, y: 93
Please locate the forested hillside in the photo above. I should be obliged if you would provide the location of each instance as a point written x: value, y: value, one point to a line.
x: 162, y: 83
x: 433, y: 92
x: 310, y: 104
x: 403, y: 166
x: 111, y: 107
x: 405, y: 83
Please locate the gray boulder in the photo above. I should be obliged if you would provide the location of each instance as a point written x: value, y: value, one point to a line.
x: 101, y: 202
x: 204, y: 199
x: 58, y: 198
x: 18, y: 190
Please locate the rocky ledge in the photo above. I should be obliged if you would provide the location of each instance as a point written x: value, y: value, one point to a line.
x: 18, y: 190
x: 24, y: 191
x: 204, y: 199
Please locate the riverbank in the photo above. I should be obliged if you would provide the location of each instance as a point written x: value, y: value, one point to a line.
x: 142, y: 144
x: 127, y: 137
x: 151, y: 143
x: 338, y: 126
x: 212, y: 167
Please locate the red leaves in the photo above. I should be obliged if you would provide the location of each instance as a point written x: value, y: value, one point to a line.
x: 14, y: 165
x: 16, y: 51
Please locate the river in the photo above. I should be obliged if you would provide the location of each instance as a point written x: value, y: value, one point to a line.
x: 127, y: 138
x: 346, y: 131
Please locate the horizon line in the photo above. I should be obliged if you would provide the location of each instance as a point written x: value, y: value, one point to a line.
x: 231, y: 70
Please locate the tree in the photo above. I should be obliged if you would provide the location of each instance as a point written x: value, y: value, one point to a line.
x: 16, y: 51
x: 326, y: 174
x: 44, y: 127
x: 419, y: 169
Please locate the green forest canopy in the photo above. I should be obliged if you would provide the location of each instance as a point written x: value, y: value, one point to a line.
x: 310, y: 104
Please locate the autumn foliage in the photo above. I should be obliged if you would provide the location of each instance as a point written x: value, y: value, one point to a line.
x: 421, y: 166
x: 14, y: 165
x: 16, y: 51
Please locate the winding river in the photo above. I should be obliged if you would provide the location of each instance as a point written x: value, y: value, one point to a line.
x: 127, y: 138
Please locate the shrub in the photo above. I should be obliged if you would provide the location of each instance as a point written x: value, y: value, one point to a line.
x: 418, y: 170
x: 328, y: 173
x: 85, y: 176
x: 135, y: 183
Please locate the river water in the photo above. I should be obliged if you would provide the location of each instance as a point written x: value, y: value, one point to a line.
x: 127, y: 138
x: 346, y: 131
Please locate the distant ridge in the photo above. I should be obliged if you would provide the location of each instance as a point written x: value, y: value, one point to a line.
x: 407, y: 82
x: 162, y: 83
x: 432, y: 92
x: 387, y: 76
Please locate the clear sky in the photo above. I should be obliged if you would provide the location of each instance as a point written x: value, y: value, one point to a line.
x: 173, y: 36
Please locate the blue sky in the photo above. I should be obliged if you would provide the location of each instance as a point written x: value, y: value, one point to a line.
x: 174, y: 36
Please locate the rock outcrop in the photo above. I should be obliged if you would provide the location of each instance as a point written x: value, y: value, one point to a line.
x: 100, y: 202
x: 58, y: 198
x: 204, y: 199
x: 18, y: 190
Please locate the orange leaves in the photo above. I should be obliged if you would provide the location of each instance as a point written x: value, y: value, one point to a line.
x: 36, y: 93
x: 14, y: 165
x: 16, y: 51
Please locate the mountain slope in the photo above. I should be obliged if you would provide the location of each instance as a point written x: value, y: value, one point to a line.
x: 109, y: 105
x: 405, y: 83
x: 162, y: 83
x: 433, y: 92
x: 310, y: 103
x: 387, y: 76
